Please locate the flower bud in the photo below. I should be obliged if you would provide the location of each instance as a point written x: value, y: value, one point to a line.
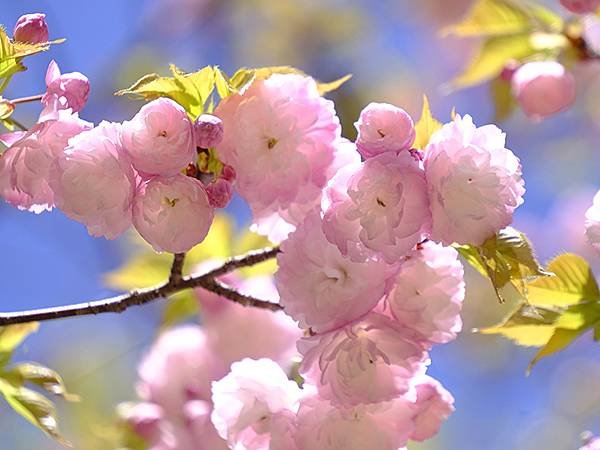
x: 543, y: 88
x: 581, y: 6
x: 71, y: 89
x: 31, y: 28
x: 219, y: 193
x: 208, y: 131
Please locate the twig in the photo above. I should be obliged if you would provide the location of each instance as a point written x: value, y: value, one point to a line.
x: 31, y: 98
x: 122, y: 302
x: 177, y: 268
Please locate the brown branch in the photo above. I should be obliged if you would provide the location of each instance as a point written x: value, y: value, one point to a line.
x: 122, y: 302
x: 177, y: 268
x: 31, y: 98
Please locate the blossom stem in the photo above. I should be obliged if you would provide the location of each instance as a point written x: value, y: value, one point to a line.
x: 31, y: 98
x: 140, y: 297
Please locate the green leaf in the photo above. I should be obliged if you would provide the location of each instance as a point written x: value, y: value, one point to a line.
x: 41, y: 376
x: 426, y: 126
x: 324, y: 88
x: 190, y: 90
x: 11, y: 337
x: 222, y: 83
x: 492, y: 18
x: 505, y: 258
x: 12, y: 53
x: 573, y: 283
x: 526, y: 325
x: 560, y: 339
x: 493, y: 57
x: 34, y: 407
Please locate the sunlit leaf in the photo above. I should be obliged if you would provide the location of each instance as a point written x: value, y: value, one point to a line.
x: 324, y: 88
x: 560, y: 339
x: 573, y: 282
x: 426, y: 126
x: 41, y: 376
x: 505, y: 258
x: 190, y: 90
x: 6, y: 108
x: 493, y: 57
x: 34, y: 407
x: 492, y: 17
x: 11, y: 337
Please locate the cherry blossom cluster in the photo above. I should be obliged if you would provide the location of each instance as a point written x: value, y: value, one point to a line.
x: 365, y: 269
x: 113, y: 175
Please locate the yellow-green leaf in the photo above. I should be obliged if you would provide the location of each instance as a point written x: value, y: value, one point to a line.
x: 426, y: 126
x: 13, y: 335
x: 178, y: 308
x: 573, y: 282
x: 505, y: 258
x: 190, y: 90
x: 41, y: 376
x: 34, y: 407
x: 6, y: 108
x: 493, y: 57
x: 491, y: 18
x: 560, y: 339
x: 324, y: 88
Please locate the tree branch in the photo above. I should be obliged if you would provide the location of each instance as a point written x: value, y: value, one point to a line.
x: 31, y: 98
x: 177, y: 268
x: 122, y: 302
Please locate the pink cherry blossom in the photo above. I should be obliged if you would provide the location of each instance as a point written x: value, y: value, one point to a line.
x: 319, y: 287
x: 69, y: 90
x: 384, y: 128
x: 543, y: 88
x: 433, y: 404
x: 280, y: 136
x: 159, y: 138
x: 249, y: 399
x: 179, y: 368
x: 581, y: 6
x: 474, y: 182
x: 27, y: 162
x: 236, y: 331
x: 592, y: 223
x: 172, y: 214
x: 371, y: 361
x: 31, y: 28
x: 383, y: 426
x: 385, y: 207
x: 208, y: 131
x: 428, y: 293
x: 94, y: 183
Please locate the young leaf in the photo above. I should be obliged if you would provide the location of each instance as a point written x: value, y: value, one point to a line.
x: 179, y: 308
x: 190, y: 90
x: 573, y: 282
x: 560, y: 339
x: 41, y: 376
x: 505, y: 258
x: 492, y: 18
x: 34, y: 407
x: 11, y: 337
x: 324, y: 88
x: 492, y: 57
x: 426, y: 126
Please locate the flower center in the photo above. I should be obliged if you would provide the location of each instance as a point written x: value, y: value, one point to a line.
x: 271, y: 142
x: 171, y: 201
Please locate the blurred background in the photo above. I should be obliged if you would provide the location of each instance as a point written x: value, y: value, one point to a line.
x: 395, y: 54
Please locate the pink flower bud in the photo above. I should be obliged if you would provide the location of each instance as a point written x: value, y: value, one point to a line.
x: 31, y: 28
x: 543, y: 88
x: 71, y: 89
x: 581, y: 6
x: 208, y: 130
x: 228, y: 173
x: 383, y: 128
x: 219, y: 193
